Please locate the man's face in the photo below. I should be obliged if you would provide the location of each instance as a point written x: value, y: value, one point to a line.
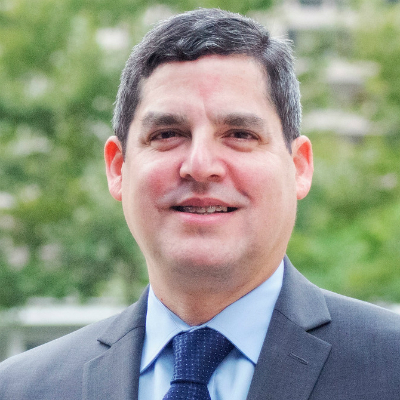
x: 208, y: 186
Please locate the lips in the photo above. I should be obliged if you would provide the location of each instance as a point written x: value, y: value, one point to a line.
x: 211, y: 209
x: 203, y: 206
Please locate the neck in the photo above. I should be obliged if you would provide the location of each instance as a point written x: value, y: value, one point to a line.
x: 195, y: 309
x: 200, y: 302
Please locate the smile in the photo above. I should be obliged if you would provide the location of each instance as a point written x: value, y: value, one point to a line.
x: 204, y: 210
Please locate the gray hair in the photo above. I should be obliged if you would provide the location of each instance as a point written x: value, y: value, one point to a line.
x: 191, y: 35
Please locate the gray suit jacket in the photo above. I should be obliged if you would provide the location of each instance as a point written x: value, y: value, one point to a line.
x: 319, y: 346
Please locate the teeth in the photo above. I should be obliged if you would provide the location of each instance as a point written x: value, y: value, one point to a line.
x: 204, y: 210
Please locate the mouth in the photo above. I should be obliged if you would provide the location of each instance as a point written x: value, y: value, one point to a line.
x: 204, y: 210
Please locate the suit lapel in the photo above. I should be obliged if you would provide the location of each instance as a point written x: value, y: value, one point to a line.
x: 290, y: 361
x: 292, y: 358
x: 114, y: 375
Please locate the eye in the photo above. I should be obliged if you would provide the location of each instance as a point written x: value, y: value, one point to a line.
x: 242, y: 135
x: 241, y: 140
x: 166, y: 139
x: 164, y: 135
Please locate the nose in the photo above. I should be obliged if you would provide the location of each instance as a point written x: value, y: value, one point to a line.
x: 202, y: 162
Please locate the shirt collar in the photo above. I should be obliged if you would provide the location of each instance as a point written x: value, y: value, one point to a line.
x: 244, y: 322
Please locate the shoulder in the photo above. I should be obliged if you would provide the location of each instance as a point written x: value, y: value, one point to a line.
x: 368, y: 329
x: 59, y: 360
x: 363, y: 337
x: 361, y: 316
x: 318, y: 309
x: 55, y: 370
x: 365, y: 349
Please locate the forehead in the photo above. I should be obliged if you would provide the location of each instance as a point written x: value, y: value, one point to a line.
x: 224, y: 81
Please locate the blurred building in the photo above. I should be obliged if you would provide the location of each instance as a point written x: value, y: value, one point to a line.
x: 321, y: 30
x: 317, y: 28
x: 43, y: 320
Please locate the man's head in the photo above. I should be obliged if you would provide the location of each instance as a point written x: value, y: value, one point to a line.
x: 189, y: 36
x: 208, y: 186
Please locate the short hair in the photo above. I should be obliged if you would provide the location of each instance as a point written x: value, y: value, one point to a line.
x: 202, y: 32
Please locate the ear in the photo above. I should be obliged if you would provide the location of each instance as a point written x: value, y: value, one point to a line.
x: 303, y: 162
x: 114, y: 161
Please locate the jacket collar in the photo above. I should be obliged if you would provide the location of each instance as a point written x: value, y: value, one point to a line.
x: 292, y: 358
x: 114, y: 375
x: 290, y: 361
x: 301, y: 301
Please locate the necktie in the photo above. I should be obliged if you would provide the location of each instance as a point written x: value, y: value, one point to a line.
x: 197, y: 355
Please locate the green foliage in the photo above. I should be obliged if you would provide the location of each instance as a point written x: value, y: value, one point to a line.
x: 62, y: 234
x: 240, y: 6
x: 347, y: 237
x: 377, y: 40
x: 348, y: 228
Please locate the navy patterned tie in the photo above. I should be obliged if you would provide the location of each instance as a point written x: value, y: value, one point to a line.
x: 197, y: 355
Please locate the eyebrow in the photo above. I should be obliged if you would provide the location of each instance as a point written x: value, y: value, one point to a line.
x: 240, y: 120
x: 155, y: 119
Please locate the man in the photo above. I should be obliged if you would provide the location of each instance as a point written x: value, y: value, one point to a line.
x: 209, y: 164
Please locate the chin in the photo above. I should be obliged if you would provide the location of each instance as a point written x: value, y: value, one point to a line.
x: 197, y: 266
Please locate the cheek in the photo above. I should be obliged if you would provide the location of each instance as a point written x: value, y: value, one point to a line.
x: 270, y: 185
x: 259, y: 179
x: 145, y: 184
x: 140, y: 189
x: 157, y: 179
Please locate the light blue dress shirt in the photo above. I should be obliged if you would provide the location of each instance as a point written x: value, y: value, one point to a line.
x: 244, y: 323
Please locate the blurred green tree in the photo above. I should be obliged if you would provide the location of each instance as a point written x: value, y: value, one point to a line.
x: 347, y: 237
x: 61, y: 233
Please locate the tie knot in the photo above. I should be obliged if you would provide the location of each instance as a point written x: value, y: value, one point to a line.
x: 197, y: 354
